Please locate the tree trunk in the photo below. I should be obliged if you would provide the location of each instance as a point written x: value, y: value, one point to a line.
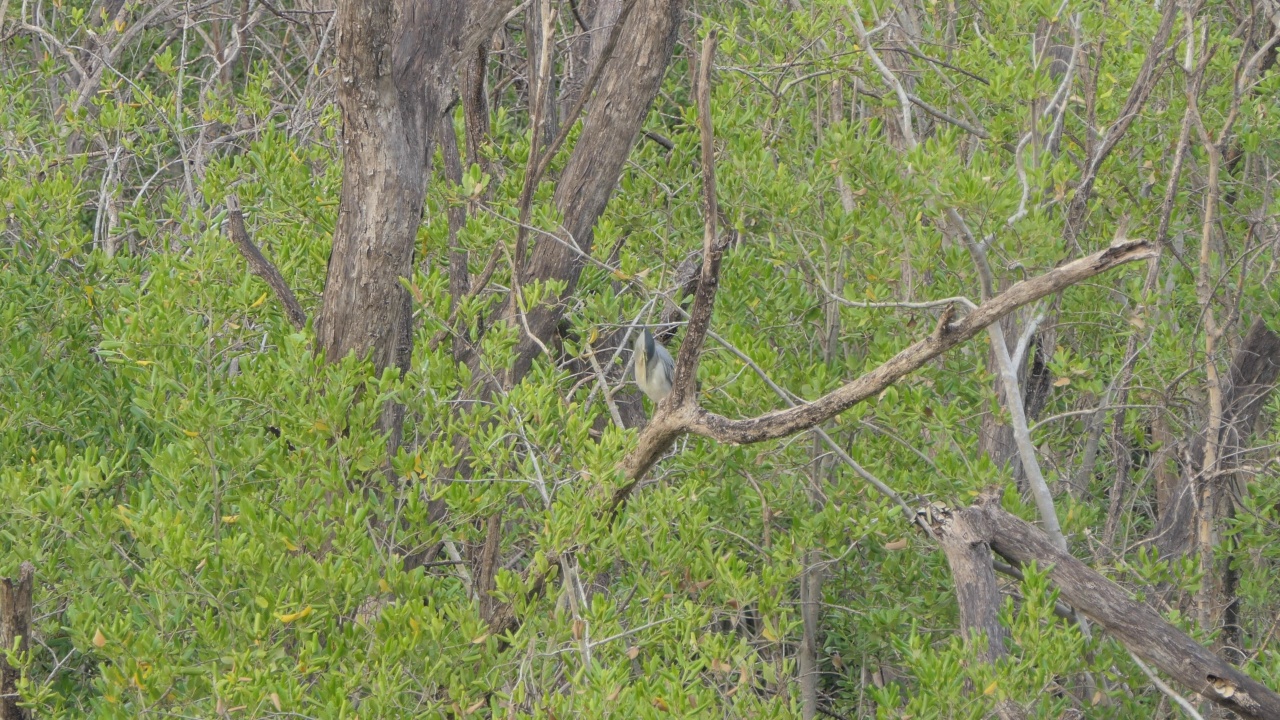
x: 15, y: 623
x: 1254, y: 371
x: 394, y: 66
x: 811, y: 637
x: 613, y: 121
x: 969, y: 557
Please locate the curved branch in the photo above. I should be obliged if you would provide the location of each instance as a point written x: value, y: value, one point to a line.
x: 786, y: 422
x: 687, y: 417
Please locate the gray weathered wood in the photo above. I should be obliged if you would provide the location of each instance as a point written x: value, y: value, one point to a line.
x: 963, y: 537
x: 1135, y: 624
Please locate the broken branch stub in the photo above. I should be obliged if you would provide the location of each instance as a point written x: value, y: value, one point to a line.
x: 259, y: 265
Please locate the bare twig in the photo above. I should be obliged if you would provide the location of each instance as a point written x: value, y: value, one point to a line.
x: 1138, y: 94
x: 604, y: 387
x: 904, y: 100
x: 1164, y: 688
x: 943, y: 116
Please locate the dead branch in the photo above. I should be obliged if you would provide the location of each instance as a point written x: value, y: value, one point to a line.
x: 704, y: 298
x: 260, y: 266
x: 1133, y: 623
x: 675, y: 419
x: 786, y: 422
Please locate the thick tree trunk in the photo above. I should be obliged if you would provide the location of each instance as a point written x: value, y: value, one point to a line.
x: 968, y: 552
x: 614, y: 117
x: 15, y: 623
x: 394, y: 64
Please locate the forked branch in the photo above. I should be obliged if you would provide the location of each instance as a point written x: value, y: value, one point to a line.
x: 680, y: 413
x: 674, y: 420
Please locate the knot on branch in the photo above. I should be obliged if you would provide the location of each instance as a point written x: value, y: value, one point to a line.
x: 935, y: 515
x: 944, y: 322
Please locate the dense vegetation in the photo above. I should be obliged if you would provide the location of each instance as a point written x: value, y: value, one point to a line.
x: 208, y: 504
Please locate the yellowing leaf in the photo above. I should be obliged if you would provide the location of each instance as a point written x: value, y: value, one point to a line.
x: 289, y: 545
x: 275, y: 700
x: 144, y: 363
x: 896, y: 544
x: 413, y: 623
x: 768, y: 632
x: 383, y: 585
x: 304, y: 612
x: 474, y: 707
x: 1062, y: 381
x: 261, y: 299
x: 230, y: 519
x: 99, y: 640
x: 321, y: 425
x: 990, y: 688
x: 479, y: 639
x: 191, y: 433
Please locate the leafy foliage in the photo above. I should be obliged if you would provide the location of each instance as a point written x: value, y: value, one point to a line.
x: 210, y: 508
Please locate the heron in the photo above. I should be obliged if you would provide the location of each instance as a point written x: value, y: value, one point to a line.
x: 655, y: 367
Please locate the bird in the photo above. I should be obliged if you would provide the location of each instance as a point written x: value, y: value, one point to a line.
x: 655, y: 367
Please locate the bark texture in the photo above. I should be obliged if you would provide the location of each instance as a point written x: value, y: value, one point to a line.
x: 964, y: 541
x: 395, y: 63
x: 260, y: 266
x: 15, y: 623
